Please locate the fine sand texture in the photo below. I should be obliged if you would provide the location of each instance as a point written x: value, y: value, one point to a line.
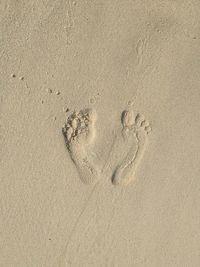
x: 100, y: 133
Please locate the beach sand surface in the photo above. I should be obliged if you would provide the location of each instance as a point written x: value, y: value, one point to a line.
x: 100, y: 133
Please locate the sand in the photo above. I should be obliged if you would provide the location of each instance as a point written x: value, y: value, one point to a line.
x: 99, y: 133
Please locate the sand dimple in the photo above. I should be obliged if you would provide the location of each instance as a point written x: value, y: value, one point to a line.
x: 134, y: 127
x: 79, y: 133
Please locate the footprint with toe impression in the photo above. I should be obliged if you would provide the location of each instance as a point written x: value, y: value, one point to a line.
x: 135, y: 127
x: 79, y: 133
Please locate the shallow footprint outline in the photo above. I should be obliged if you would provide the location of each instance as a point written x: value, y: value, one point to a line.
x: 79, y: 134
x: 136, y: 127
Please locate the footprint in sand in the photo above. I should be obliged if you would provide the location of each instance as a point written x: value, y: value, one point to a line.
x: 79, y: 133
x: 134, y: 128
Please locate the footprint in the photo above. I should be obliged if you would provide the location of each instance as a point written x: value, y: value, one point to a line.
x: 134, y: 128
x: 79, y: 133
